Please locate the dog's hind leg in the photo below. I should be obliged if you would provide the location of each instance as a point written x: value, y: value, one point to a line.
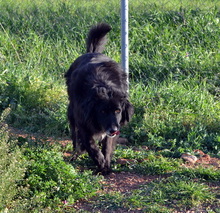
x: 73, y: 128
x: 74, y: 141
x: 78, y: 147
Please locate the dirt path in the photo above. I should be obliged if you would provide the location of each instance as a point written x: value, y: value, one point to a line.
x: 122, y: 182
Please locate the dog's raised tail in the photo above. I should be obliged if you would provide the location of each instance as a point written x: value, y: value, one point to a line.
x: 96, y: 39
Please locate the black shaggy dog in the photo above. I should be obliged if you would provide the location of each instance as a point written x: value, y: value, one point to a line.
x: 98, y: 100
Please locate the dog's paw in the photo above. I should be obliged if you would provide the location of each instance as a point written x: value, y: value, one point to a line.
x: 74, y: 156
x: 104, y: 171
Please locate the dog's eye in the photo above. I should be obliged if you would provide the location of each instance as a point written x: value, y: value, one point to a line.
x: 117, y: 111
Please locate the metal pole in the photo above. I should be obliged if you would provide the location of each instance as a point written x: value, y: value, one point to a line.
x: 124, y: 36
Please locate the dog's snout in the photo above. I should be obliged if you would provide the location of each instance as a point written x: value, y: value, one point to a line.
x: 113, y: 130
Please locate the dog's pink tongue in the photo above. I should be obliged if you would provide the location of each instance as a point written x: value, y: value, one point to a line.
x: 116, y: 133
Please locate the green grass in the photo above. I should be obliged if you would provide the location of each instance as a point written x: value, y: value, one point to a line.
x: 174, y: 87
x: 174, y: 61
x: 177, y: 114
x: 170, y: 192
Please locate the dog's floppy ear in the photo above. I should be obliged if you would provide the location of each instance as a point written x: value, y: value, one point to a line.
x: 89, y: 104
x: 127, y: 112
x: 87, y: 108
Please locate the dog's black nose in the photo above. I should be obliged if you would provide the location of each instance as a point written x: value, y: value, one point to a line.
x: 113, y: 130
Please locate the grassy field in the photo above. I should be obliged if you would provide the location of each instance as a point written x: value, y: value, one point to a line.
x: 174, y: 86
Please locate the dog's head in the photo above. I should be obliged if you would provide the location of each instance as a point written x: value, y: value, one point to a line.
x: 112, y: 111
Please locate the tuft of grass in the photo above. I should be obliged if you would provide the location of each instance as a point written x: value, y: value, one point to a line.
x: 157, y: 166
x: 208, y: 174
x: 146, y: 162
x: 109, y: 202
x: 172, y: 192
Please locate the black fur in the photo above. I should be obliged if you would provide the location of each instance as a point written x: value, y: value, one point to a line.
x: 98, y: 100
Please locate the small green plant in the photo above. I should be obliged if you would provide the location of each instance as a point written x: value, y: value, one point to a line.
x: 51, y: 180
x: 12, y: 165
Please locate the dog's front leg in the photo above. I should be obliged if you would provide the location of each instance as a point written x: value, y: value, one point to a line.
x: 94, y: 151
x: 108, y: 145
